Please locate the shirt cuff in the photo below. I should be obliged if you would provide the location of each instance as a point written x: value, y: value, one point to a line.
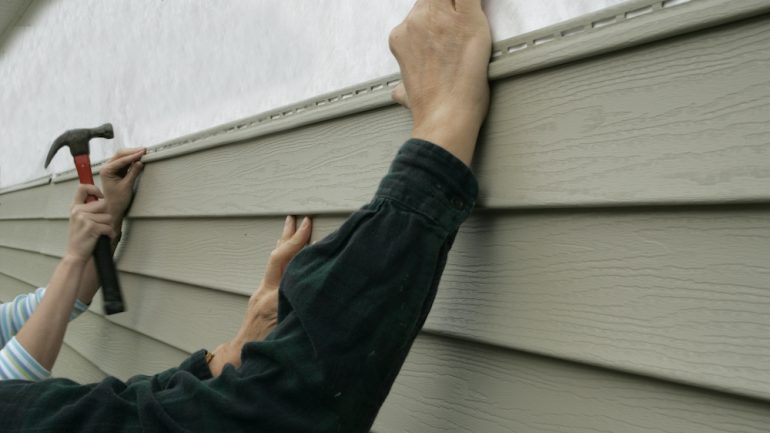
x: 17, y: 363
x: 79, y: 308
x: 431, y: 181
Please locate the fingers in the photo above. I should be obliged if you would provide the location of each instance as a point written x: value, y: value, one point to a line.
x: 287, y: 248
x: 134, y: 170
x: 289, y: 228
x: 124, y: 161
x: 92, y: 219
x: 103, y: 230
x: 127, y: 152
x: 399, y: 95
x: 93, y: 216
x: 84, y: 191
x: 100, y: 218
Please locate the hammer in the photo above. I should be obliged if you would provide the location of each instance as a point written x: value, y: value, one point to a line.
x: 77, y: 140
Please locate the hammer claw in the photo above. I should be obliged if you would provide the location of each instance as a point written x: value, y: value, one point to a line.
x: 77, y: 140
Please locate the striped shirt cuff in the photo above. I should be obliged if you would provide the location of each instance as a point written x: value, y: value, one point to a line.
x: 17, y: 363
x: 78, y: 309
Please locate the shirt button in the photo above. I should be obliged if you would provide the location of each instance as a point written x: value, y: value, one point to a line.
x: 457, y: 203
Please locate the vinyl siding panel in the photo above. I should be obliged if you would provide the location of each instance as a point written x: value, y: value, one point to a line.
x: 613, y: 287
x: 72, y: 365
x: 447, y: 385
x: 614, y: 278
x: 680, y: 121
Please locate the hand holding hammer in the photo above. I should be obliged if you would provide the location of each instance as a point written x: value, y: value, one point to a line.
x: 78, y: 142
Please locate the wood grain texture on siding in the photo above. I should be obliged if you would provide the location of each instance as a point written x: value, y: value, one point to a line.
x: 72, y: 365
x: 182, y: 316
x: 679, y: 293
x: 25, y: 203
x: 46, y: 236
x: 26, y: 234
x: 11, y: 286
x: 119, y: 351
x: 682, y: 120
x: 227, y: 254
x: 447, y: 386
x: 186, y: 317
x: 33, y: 268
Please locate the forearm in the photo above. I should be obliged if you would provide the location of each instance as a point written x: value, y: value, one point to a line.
x: 43, y: 333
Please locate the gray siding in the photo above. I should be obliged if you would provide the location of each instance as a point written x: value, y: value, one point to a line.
x: 614, y: 278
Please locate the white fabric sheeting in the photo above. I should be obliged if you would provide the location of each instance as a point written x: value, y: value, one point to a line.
x: 161, y: 69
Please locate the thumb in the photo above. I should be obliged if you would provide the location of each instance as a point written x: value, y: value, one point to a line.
x: 285, y: 251
x: 133, y: 171
x: 399, y: 95
x: 84, y: 190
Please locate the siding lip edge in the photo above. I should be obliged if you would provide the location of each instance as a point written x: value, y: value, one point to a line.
x: 135, y: 331
x: 625, y: 32
x: 692, y: 382
x: 45, y: 180
x: 124, y: 270
x: 486, y: 206
x: 96, y: 367
x: 13, y: 277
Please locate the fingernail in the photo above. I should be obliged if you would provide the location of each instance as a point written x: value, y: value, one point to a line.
x: 288, y: 220
x: 306, y: 222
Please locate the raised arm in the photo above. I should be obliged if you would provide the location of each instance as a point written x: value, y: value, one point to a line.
x: 118, y: 177
x: 38, y: 342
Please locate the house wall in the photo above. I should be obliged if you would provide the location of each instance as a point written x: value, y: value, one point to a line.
x: 159, y: 69
x: 613, y: 278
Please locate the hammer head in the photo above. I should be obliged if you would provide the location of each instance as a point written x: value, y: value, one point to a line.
x: 77, y: 140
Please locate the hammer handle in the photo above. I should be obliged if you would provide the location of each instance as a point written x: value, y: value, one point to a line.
x: 105, y: 266
x: 108, y: 276
x: 83, y: 166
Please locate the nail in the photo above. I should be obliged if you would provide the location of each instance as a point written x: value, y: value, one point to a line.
x: 288, y: 221
x: 305, y: 222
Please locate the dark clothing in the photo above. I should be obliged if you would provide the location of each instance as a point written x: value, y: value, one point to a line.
x: 350, y: 307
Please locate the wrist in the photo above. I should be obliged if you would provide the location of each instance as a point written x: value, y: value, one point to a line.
x: 457, y: 133
x: 117, y: 219
x: 74, y: 259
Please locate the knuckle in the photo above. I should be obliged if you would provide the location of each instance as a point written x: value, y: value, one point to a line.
x: 276, y: 255
x: 395, y: 37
